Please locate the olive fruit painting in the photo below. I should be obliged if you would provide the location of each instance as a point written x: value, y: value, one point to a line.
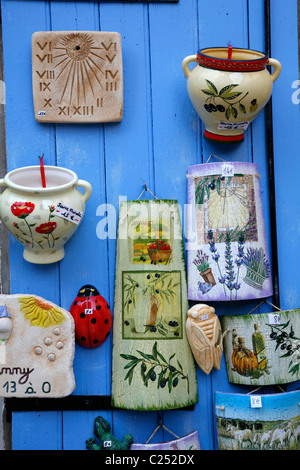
x: 227, y: 252
x: 258, y: 422
x: 262, y: 349
x: 153, y: 367
x: 92, y: 317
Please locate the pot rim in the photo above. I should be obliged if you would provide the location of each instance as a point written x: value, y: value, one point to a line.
x: 238, y: 65
x: 35, y: 190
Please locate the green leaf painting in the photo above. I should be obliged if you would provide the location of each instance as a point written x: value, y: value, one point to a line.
x: 155, y: 368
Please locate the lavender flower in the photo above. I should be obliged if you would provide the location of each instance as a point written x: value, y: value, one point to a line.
x: 215, y: 256
x: 239, y: 261
x: 201, y: 261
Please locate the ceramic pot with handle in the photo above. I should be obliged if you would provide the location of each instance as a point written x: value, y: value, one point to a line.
x: 43, y: 218
x: 228, y: 88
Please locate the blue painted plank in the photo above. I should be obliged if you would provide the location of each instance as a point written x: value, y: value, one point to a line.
x: 37, y: 431
x: 128, y: 151
x: 286, y: 124
x: 81, y: 148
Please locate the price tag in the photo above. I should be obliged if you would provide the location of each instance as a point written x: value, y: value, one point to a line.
x: 255, y: 401
x: 227, y: 170
x: 88, y: 311
x: 233, y: 125
x: 274, y: 318
x: 68, y: 213
x: 204, y: 317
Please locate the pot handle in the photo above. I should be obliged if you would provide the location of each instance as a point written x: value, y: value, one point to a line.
x: 88, y: 189
x: 2, y: 182
x: 185, y: 64
x: 277, y: 69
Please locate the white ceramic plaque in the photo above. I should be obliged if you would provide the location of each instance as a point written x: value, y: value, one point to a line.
x: 37, y: 348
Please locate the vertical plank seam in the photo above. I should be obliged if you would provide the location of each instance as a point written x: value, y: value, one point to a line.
x: 151, y: 125
x: 270, y: 156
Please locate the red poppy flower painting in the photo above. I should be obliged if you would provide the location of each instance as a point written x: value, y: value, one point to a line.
x: 46, y: 228
x: 22, y: 209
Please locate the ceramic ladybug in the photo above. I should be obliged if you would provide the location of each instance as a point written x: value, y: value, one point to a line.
x: 92, y: 317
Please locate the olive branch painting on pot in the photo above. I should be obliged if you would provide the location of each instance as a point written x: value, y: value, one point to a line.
x: 222, y: 100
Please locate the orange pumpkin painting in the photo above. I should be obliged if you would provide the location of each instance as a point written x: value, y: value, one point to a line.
x: 243, y: 360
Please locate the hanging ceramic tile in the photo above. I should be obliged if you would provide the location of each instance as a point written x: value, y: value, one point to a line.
x: 189, y: 442
x: 37, y: 344
x: 227, y: 250
x: 262, y: 349
x: 153, y: 367
x: 77, y: 76
x: 258, y: 422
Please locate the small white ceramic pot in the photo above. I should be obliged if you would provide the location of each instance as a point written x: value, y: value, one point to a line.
x: 228, y: 93
x: 43, y: 218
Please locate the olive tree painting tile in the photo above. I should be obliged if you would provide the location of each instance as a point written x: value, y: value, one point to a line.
x: 258, y: 422
x: 153, y: 367
x: 227, y: 248
x: 262, y: 349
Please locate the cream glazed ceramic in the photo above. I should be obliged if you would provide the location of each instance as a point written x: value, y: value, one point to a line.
x: 43, y: 218
x: 229, y: 88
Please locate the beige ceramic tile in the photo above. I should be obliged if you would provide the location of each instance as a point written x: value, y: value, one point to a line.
x: 37, y: 345
x: 77, y: 76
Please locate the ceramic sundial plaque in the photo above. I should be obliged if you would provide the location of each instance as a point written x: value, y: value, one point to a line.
x: 258, y: 422
x: 262, y: 349
x: 77, y: 76
x: 37, y: 343
x: 153, y: 367
x: 227, y: 247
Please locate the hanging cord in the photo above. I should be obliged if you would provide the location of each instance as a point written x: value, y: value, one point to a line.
x: 122, y: 220
x: 146, y: 189
x: 161, y: 425
x: 212, y: 155
x: 265, y: 301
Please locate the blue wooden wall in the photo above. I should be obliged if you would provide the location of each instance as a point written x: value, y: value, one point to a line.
x: 159, y: 137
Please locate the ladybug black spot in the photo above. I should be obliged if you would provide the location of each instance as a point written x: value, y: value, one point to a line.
x: 98, y: 307
x: 96, y: 341
x: 75, y: 302
x: 93, y: 320
x: 83, y: 338
x: 106, y: 320
x: 82, y: 315
x: 106, y: 335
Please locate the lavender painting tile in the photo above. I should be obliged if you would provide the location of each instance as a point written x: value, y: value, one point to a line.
x: 227, y: 252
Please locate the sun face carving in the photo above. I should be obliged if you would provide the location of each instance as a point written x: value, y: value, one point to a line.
x: 78, y: 66
x: 78, y: 46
